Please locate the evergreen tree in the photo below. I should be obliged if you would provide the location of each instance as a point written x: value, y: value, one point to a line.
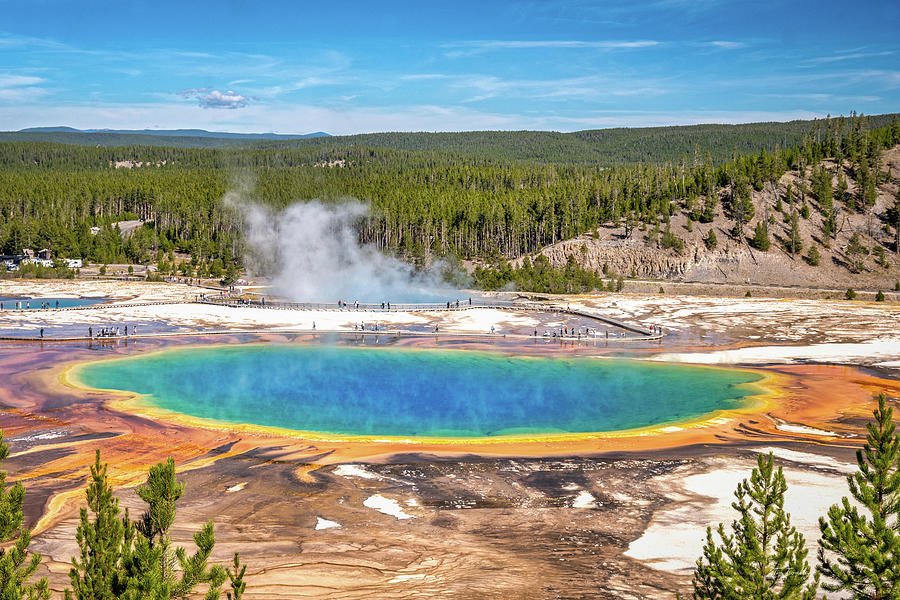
x: 16, y: 565
x: 103, y: 542
x: 150, y: 569
x: 710, y: 240
x: 856, y: 252
x: 859, y: 552
x: 840, y: 191
x: 764, y: 558
x: 812, y: 257
x: 236, y: 579
x: 761, y: 239
x: 137, y: 561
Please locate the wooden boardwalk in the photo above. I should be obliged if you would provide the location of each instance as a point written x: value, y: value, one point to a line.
x: 643, y: 334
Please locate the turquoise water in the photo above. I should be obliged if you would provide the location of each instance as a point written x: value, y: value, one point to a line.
x: 35, y: 303
x: 403, y: 392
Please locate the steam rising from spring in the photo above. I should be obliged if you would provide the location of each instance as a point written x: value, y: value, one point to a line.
x: 311, y: 253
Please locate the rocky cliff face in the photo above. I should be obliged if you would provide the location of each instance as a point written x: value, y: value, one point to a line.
x: 630, y: 260
x: 734, y: 261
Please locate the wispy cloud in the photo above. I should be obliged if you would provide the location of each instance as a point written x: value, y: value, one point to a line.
x: 423, y: 76
x: 726, y: 45
x: 20, y: 88
x: 471, y: 47
x: 822, y: 97
x: 23, y: 41
x: 308, y: 82
x: 590, y: 86
x: 849, y: 56
x: 513, y: 44
x: 8, y: 81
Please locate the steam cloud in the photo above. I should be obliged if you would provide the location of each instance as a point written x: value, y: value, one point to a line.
x: 310, y: 251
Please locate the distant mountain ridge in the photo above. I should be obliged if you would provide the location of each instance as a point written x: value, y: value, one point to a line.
x: 180, y: 133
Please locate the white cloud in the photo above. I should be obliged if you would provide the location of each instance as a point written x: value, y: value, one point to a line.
x: 23, y: 41
x: 423, y: 76
x: 469, y: 48
x: 821, y: 97
x: 515, y: 44
x: 589, y: 86
x: 207, y: 98
x: 308, y: 82
x: 850, y: 56
x: 9, y: 81
x: 20, y: 88
x: 727, y: 45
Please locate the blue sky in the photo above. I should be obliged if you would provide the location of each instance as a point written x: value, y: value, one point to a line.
x: 351, y: 67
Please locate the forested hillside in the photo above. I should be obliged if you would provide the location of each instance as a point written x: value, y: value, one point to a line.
x: 424, y: 204
x: 603, y: 146
x: 599, y: 146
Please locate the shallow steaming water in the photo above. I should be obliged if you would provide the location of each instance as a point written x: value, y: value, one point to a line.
x: 404, y: 392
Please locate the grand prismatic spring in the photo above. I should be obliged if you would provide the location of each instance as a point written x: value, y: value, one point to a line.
x: 408, y: 392
x: 475, y: 462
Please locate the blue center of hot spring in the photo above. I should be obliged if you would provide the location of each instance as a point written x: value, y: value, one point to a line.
x: 402, y: 392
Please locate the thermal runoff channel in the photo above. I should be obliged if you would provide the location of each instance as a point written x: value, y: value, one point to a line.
x: 403, y: 392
